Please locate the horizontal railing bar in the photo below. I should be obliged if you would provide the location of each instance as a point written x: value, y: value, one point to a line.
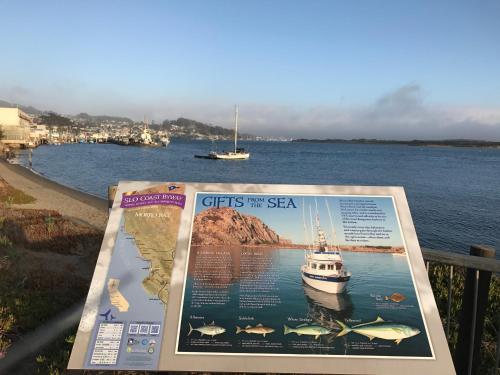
x: 461, y: 260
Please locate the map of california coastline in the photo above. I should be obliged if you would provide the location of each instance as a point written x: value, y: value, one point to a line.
x: 154, y: 229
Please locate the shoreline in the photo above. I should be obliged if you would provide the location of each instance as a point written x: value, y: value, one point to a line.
x: 452, y: 143
x: 84, y: 197
x: 74, y: 204
x: 345, y: 248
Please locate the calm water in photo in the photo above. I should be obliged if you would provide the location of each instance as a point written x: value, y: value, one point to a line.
x: 454, y: 193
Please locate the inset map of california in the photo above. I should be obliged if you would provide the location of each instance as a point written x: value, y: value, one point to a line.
x: 130, y: 320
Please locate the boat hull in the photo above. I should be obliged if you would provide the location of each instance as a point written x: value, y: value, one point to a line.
x: 326, y: 284
x: 231, y: 156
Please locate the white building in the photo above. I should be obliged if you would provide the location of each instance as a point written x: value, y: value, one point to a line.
x: 15, y: 126
x: 39, y: 133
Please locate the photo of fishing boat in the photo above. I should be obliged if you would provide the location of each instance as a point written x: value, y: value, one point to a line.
x: 290, y: 275
x: 324, y: 267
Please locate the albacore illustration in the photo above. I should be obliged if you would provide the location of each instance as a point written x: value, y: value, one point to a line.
x: 259, y: 329
x: 381, y: 329
x: 306, y: 329
x: 210, y: 330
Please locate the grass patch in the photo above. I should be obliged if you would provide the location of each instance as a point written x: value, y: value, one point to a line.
x: 54, y: 360
x: 4, y: 241
x: 14, y: 196
x: 30, y: 296
x: 10, y: 195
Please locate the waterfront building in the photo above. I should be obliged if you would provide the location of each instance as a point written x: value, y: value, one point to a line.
x: 15, y: 125
x: 39, y: 134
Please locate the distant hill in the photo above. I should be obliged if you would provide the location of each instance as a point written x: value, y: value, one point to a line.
x: 28, y: 109
x: 85, y: 117
x: 54, y: 119
x: 184, y: 127
x: 180, y: 128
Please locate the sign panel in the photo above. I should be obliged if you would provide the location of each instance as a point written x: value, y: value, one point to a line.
x: 274, y: 278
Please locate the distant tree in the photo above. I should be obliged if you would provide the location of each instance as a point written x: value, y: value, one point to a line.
x: 53, y: 119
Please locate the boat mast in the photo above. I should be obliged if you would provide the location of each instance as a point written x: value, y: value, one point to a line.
x: 306, y: 236
x: 312, y: 226
x: 235, y: 127
x: 334, y: 236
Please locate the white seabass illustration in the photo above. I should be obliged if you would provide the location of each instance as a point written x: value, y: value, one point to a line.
x: 210, y: 330
x: 324, y: 267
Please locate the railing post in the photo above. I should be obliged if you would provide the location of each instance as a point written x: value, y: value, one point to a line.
x: 471, y: 320
x: 111, y: 195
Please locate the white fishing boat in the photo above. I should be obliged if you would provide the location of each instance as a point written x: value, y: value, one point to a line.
x: 237, y: 154
x: 324, y: 266
x: 165, y: 140
x: 146, y: 135
x: 147, y: 138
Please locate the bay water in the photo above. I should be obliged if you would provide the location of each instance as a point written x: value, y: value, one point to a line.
x: 453, y: 193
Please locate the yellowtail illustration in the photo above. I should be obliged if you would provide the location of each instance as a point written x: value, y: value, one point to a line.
x: 210, y: 330
x: 259, y: 329
x: 381, y: 329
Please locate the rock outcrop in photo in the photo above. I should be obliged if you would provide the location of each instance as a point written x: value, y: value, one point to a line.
x: 226, y: 226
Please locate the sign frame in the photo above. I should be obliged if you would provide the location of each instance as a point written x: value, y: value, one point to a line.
x: 171, y: 360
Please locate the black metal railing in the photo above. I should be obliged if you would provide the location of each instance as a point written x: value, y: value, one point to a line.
x: 476, y: 272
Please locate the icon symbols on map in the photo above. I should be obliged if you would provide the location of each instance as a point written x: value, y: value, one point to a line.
x: 133, y: 329
x: 144, y: 329
x: 155, y: 329
x: 107, y: 315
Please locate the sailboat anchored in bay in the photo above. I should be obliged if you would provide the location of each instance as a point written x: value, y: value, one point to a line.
x: 237, y: 154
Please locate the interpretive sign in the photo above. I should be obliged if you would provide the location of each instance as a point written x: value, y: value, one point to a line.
x: 261, y: 278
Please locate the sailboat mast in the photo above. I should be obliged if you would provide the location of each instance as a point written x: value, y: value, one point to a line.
x: 235, y: 127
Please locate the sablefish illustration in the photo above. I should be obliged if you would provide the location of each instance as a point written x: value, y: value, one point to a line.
x: 381, y: 329
x: 395, y: 297
x: 310, y: 330
x: 210, y: 329
x: 259, y: 329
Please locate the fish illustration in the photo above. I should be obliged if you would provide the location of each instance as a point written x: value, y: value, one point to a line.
x: 210, y: 330
x: 381, y: 329
x: 395, y: 297
x: 305, y: 329
x: 259, y: 329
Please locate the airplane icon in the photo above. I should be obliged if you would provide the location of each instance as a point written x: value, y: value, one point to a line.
x: 107, y: 314
x: 172, y: 187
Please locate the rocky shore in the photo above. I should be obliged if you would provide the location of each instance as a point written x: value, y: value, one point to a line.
x: 227, y: 226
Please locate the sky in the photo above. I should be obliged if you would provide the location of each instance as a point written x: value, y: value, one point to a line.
x: 315, y: 69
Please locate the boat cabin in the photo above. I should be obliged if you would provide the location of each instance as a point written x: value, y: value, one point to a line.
x: 337, y: 266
